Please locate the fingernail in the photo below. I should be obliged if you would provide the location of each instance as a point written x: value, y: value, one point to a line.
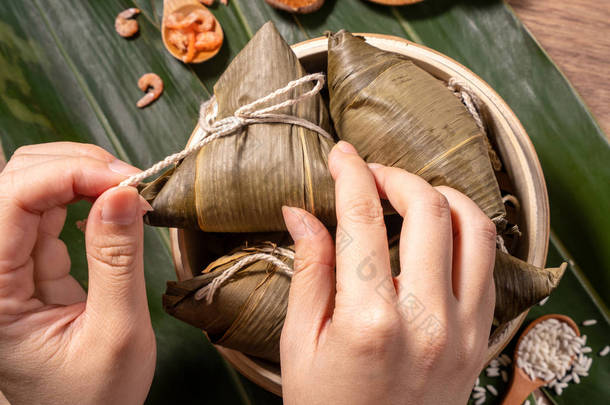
x: 294, y: 222
x: 120, y: 206
x: 118, y: 166
x: 346, y: 147
x: 145, y: 205
x: 374, y: 166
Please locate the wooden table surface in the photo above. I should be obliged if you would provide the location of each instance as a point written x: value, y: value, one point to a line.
x: 576, y: 34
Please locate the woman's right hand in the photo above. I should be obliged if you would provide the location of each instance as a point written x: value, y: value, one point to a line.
x: 359, y: 336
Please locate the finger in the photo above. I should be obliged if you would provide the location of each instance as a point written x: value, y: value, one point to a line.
x: 312, y: 289
x: 363, y: 263
x: 52, y: 221
x: 426, y: 241
x: 474, y: 241
x: 25, y: 161
x: 53, y: 282
x: 27, y: 194
x: 17, y: 289
x: 61, y: 291
x: 114, y: 239
x: 66, y: 149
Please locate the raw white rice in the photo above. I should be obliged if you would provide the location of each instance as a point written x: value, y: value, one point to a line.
x: 478, y: 393
x: 546, y: 352
x: 589, y: 322
x: 605, y: 351
x: 492, y: 371
x: 541, y: 303
x: 492, y: 389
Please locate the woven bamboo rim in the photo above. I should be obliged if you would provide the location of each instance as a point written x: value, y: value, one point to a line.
x: 513, y: 144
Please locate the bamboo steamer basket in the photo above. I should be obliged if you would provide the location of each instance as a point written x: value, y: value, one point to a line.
x: 513, y: 145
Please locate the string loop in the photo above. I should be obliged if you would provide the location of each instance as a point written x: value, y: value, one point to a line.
x: 211, y: 129
x: 266, y: 254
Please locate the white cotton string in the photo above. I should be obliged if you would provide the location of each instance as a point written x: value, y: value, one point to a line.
x: 209, y: 129
x: 500, y: 244
x: 471, y: 101
x: 509, y: 198
x: 466, y: 95
x: 209, y: 290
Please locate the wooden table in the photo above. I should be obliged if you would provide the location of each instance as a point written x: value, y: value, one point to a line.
x: 576, y: 34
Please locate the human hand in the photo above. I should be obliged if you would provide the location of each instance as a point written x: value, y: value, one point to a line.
x: 59, y: 345
x: 358, y: 336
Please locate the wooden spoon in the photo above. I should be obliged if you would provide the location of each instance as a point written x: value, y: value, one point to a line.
x: 185, y: 7
x: 521, y: 386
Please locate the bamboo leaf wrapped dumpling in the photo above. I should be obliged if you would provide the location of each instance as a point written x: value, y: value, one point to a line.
x: 247, y: 312
x: 397, y: 114
x: 238, y: 183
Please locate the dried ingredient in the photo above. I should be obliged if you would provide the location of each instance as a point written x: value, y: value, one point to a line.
x: 194, y: 32
x: 125, y: 24
x: 297, y: 6
x: 152, y: 84
x: 178, y: 39
x: 200, y: 20
x: 207, y: 41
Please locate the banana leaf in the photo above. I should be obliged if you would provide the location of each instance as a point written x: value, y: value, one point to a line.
x: 66, y: 75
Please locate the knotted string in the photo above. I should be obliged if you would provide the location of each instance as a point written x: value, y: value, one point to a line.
x: 267, y: 254
x: 210, y: 129
x: 471, y: 102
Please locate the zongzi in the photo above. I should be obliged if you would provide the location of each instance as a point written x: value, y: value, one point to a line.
x: 239, y: 183
x: 247, y: 312
x: 392, y: 111
x: 397, y: 114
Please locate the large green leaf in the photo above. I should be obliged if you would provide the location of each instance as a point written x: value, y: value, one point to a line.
x: 66, y: 75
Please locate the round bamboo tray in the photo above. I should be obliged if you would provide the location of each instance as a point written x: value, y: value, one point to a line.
x: 513, y: 145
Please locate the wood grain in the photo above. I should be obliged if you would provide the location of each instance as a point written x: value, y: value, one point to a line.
x: 576, y: 34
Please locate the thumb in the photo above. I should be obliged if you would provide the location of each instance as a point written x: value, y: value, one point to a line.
x: 114, y: 240
x: 312, y: 290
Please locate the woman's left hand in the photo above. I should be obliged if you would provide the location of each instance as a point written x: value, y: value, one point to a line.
x: 57, y: 343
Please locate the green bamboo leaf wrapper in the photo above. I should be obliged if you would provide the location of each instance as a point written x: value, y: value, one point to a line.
x: 397, y: 114
x: 248, y: 311
x: 239, y: 183
x: 519, y: 285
